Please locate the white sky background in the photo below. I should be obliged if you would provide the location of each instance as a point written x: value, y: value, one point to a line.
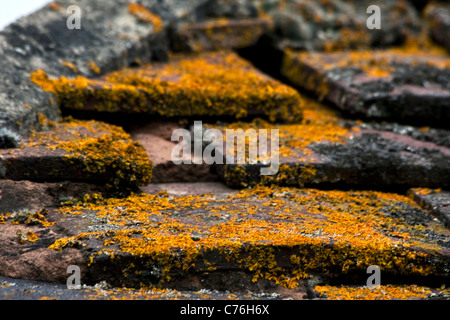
x: 11, y: 10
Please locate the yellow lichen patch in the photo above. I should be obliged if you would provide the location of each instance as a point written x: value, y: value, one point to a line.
x: 385, y: 292
x: 55, y: 6
x: 27, y: 217
x: 99, y: 147
x: 422, y: 191
x: 325, y: 231
x: 145, y: 15
x: 30, y: 236
x: 94, y: 67
x: 212, y: 84
x: 71, y: 66
x: 320, y: 124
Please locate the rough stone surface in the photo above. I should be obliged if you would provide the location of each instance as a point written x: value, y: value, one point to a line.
x: 210, y: 237
x: 79, y: 151
x: 110, y: 38
x: 326, y: 150
x: 438, y: 16
x: 391, y: 84
x: 32, y: 260
x: 27, y: 196
x: 186, y: 86
x: 65, y: 189
x: 17, y: 289
x: 331, y: 25
x: 436, y: 201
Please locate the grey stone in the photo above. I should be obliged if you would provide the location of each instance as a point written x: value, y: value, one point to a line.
x: 438, y: 17
x: 110, y: 37
x: 330, y: 25
x: 410, y: 87
x: 436, y: 201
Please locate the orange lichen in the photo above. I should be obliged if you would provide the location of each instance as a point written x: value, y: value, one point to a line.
x: 309, y: 69
x: 145, y: 15
x: 30, y: 236
x: 385, y: 292
x: 221, y: 33
x: 326, y: 231
x: 55, y: 6
x: 99, y: 147
x: 27, y: 217
x: 94, y: 67
x: 213, y: 84
x: 71, y: 66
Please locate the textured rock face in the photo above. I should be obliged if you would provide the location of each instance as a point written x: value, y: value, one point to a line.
x: 331, y: 25
x: 436, y: 201
x: 391, y: 84
x: 362, y: 122
x: 328, y: 150
x: 186, y: 86
x: 111, y: 37
x: 438, y: 16
x: 295, y: 233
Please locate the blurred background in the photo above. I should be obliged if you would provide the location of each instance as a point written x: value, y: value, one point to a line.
x: 13, y: 10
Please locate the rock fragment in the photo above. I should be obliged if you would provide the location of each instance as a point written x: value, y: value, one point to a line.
x: 333, y: 25
x: 406, y: 85
x: 219, y: 34
x: 327, y: 150
x: 438, y: 16
x: 86, y: 151
x: 284, y: 235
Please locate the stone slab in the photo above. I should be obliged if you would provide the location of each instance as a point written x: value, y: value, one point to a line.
x: 28, y: 197
x: 438, y: 18
x: 219, y: 34
x: 205, y: 85
x: 437, y: 201
x: 284, y: 235
x: 329, y: 26
x: 83, y: 151
x: 111, y: 37
x: 407, y: 85
x: 328, y: 151
x: 18, y: 289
